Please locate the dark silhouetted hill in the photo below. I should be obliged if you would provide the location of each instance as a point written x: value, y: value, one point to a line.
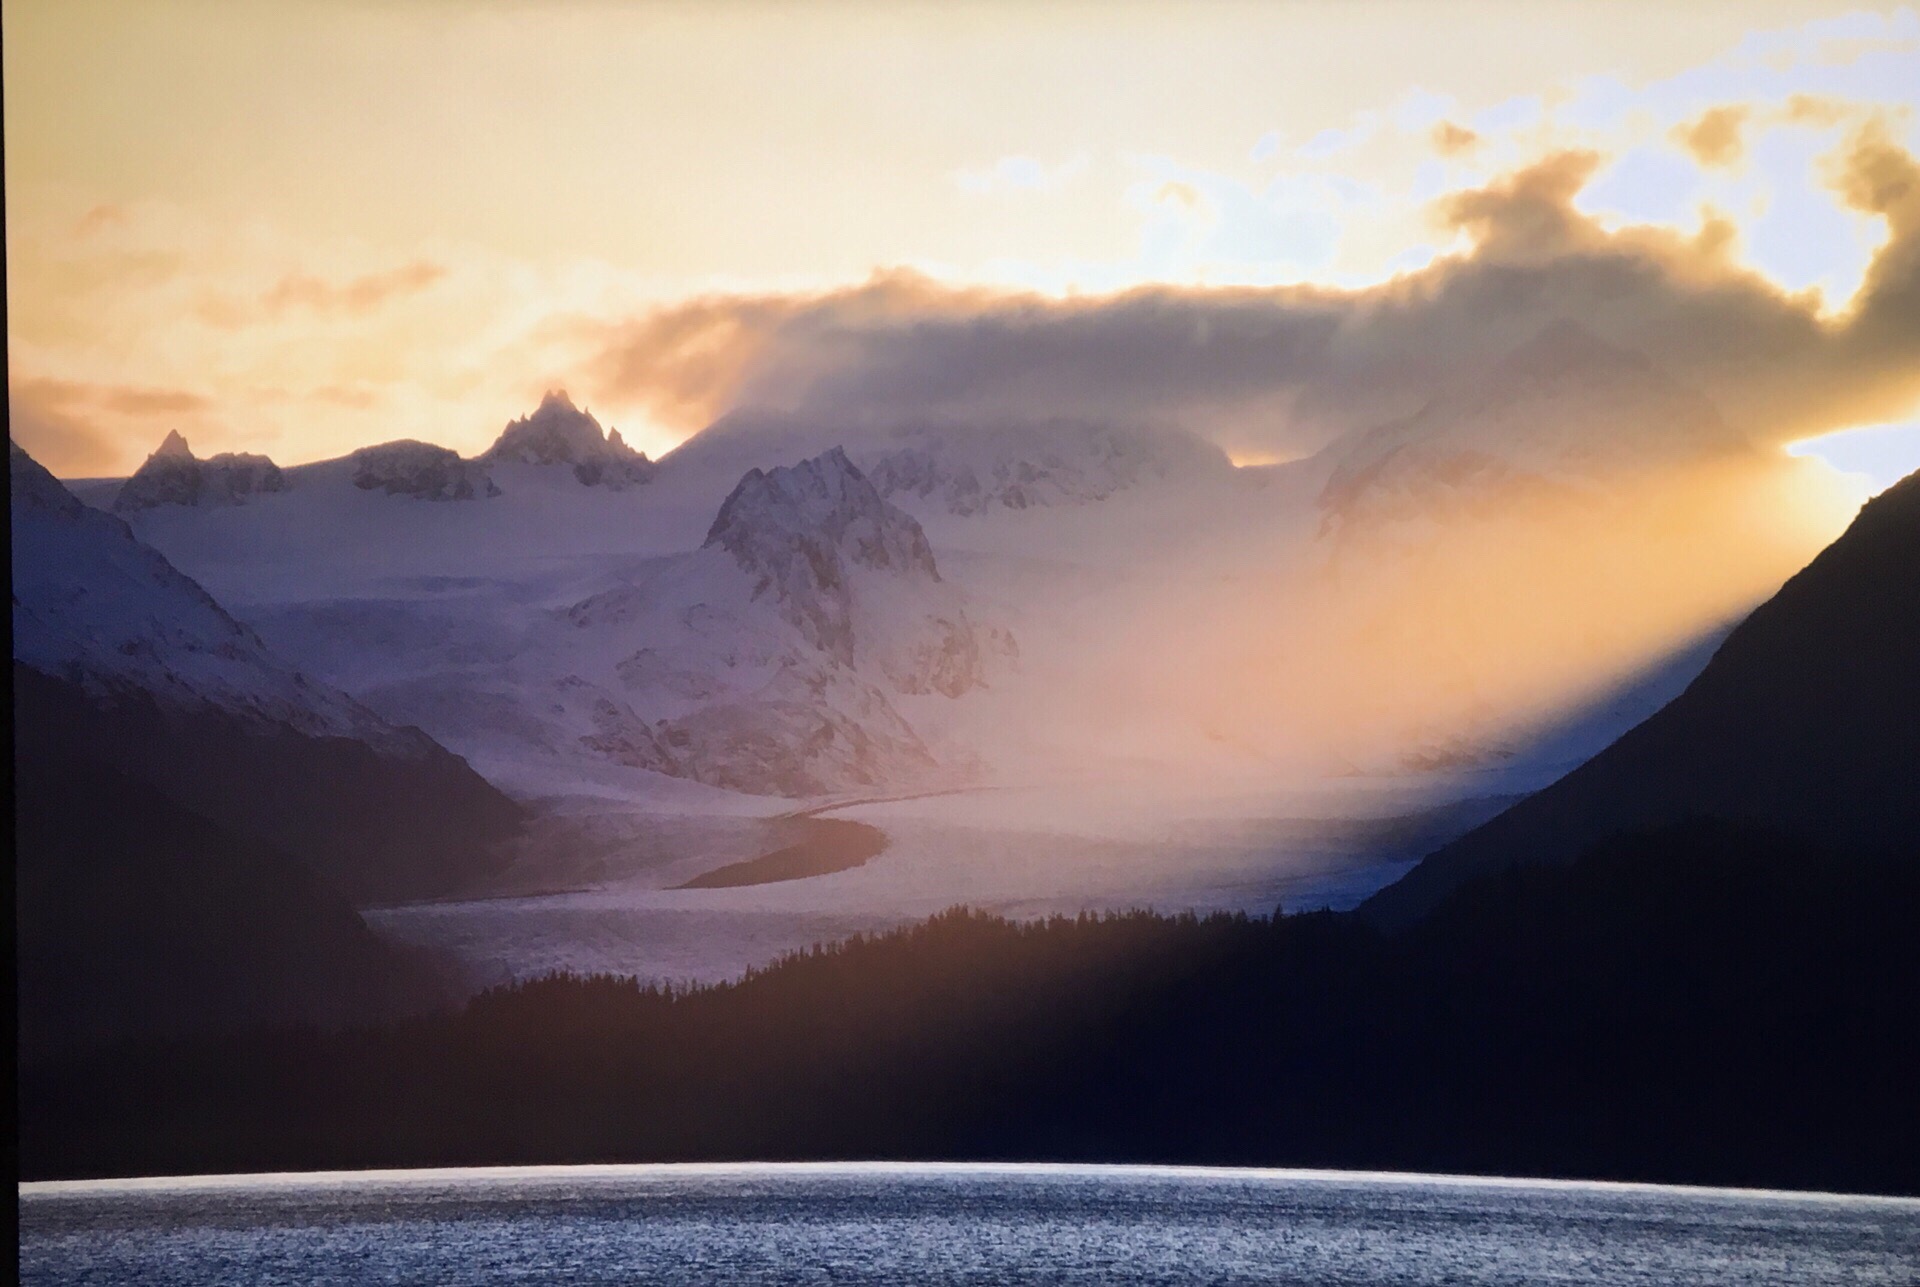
x: 1806, y: 720
x: 135, y: 916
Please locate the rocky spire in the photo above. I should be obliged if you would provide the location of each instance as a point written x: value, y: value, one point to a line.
x: 172, y: 447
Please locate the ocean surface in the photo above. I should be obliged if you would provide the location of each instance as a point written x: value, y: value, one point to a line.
x: 888, y: 1223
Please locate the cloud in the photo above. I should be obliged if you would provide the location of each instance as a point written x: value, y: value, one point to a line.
x: 1329, y: 143
x: 1876, y: 176
x: 100, y: 218
x: 58, y: 422
x: 1714, y: 137
x: 1528, y: 215
x: 1521, y: 112
x: 1284, y: 370
x: 1453, y: 140
x: 1420, y: 109
x: 1184, y: 195
x: 115, y: 399
x: 355, y: 297
x: 1021, y: 174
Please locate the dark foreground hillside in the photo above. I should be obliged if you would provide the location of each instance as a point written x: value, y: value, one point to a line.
x: 134, y: 915
x: 1699, y: 1004
x: 1806, y: 719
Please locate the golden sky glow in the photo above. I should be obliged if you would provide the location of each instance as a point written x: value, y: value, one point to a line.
x: 299, y: 228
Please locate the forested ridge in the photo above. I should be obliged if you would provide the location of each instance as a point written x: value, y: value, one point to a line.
x: 1704, y: 1003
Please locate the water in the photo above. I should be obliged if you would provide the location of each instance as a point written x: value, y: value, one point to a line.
x: 886, y: 1223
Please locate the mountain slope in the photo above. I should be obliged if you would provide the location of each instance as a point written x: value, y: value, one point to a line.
x: 125, y: 666
x: 136, y: 916
x: 1807, y: 719
x: 768, y: 659
x: 1565, y: 413
x: 1570, y: 514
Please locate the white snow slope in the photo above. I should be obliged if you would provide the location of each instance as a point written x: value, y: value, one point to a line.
x: 95, y: 606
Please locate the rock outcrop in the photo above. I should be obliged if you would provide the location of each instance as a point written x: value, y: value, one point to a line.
x: 422, y: 471
x: 172, y: 475
x: 558, y: 433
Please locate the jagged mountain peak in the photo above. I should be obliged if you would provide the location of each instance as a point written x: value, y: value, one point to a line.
x: 805, y: 518
x: 559, y: 433
x: 172, y: 447
x: 173, y: 475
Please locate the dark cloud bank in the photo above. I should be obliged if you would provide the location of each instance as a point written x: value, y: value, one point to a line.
x: 1287, y: 370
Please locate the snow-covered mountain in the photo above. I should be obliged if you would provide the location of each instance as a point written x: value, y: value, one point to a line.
x: 790, y: 636
x: 769, y: 654
x: 818, y: 539
x: 1564, y: 416
x: 770, y: 659
x: 558, y: 433
x: 122, y: 660
x: 968, y: 469
x: 172, y: 475
x: 1570, y: 515
x: 789, y: 607
x: 95, y: 606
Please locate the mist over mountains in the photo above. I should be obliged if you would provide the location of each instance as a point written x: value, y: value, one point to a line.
x: 407, y: 674
x: 559, y: 612
x: 1806, y: 721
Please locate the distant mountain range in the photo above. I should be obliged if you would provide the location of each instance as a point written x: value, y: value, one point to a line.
x: 1806, y: 720
x: 1563, y: 417
x: 556, y: 433
x: 1431, y: 595
x: 567, y: 614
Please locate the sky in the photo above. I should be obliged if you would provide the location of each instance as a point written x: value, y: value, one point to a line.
x: 304, y: 227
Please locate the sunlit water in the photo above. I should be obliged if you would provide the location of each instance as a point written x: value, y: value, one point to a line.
x: 919, y: 1224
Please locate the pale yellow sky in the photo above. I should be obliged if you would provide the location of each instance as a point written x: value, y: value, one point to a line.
x: 302, y: 227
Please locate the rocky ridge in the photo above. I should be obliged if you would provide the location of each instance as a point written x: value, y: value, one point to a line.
x: 172, y: 475
x: 558, y: 433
